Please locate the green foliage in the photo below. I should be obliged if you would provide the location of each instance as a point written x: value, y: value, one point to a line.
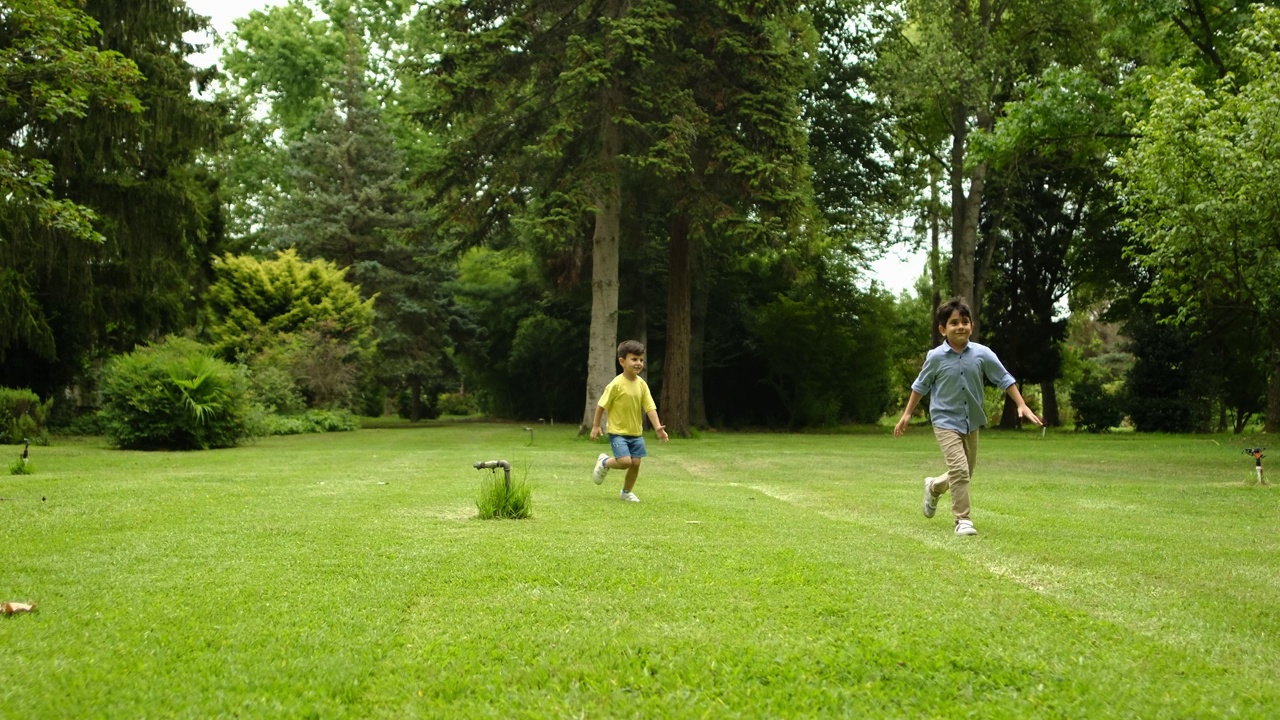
x: 22, y: 415
x: 50, y: 68
x: 826, y: 364
x: 497, y: 501
x: 21, y: 467
x: 1168, y: 387
x: 1096, y: 408
x: 275, y: 388
x: 457, y: 403
x: 1200, y: 185
x: 252, y: 303
x: 311, y: 421
x: 418, y: 403
x: 107, y: 219
x: 174, y: 395
x: 89, y: 423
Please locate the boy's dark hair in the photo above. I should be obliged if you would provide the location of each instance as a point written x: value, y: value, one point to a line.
x: 630, y: 347
x: 950, y: 306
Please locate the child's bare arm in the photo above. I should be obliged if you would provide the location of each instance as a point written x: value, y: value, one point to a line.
x: 658, y: 426
x: 1023, y: 410
x: 595, y: 423
x: 901, y: 427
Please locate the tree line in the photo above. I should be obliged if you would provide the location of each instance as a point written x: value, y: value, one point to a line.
x: 512, y: 186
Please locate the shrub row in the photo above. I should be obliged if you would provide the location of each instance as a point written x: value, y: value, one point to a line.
x: 311, y: 421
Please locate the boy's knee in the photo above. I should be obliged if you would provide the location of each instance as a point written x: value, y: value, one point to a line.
x: 626, y: 461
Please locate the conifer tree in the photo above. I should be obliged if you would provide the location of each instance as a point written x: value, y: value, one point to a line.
x: 124, y: 176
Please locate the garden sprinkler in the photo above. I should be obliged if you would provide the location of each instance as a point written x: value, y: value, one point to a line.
x: 493, y: 465
x: 530, y: 435
x: 1257, y: 465
x: 26, y: 447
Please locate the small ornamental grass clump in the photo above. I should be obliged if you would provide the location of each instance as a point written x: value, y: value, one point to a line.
x: 497, y: 500
x: 21, y: 467
x: 174, y: 395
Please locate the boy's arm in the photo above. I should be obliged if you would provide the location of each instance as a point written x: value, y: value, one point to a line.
x: 657, y: 425
x: 595, y: 423
x: 1023, y: 410
x: 901, y: 427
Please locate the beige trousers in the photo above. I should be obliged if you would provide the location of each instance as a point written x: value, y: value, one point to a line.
x: 960, y: 451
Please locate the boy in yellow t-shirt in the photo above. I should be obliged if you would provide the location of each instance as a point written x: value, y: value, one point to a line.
x: 627, y: 400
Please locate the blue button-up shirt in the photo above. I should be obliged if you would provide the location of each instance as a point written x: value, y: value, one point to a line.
x: 953, y: 382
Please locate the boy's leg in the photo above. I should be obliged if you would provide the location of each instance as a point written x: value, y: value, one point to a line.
x: 960, y: 451
x: 633, y: 471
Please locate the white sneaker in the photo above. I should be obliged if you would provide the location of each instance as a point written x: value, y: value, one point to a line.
x: 964, y: 527
x: 600, y: 470
x: 930, y: 500
x: 628, y: 497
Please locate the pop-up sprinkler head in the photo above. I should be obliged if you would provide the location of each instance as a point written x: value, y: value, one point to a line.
x: 1257, y: 464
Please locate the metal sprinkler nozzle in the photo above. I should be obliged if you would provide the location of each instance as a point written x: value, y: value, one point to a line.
x: 494, y: 465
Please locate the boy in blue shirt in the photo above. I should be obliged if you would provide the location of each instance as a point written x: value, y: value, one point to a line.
x: 952, y: 377
x: 627, y: 400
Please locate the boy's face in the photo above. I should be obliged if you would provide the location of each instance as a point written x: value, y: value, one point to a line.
x: 957, y: 329
x: 632, y: 364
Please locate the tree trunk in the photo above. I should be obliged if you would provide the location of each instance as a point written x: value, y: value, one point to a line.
x: 935, y: 255
x: 675, y: 377
x: 963, y: 245
x: 1049, y: 400
x: 965, y: 211
x: 1273, y: 387
x: 603, y: 335
x: 697, y: 343
x: 415, y: 402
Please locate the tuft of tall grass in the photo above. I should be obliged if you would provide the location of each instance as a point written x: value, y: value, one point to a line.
x: 500, y: 500
x: 21, y: 467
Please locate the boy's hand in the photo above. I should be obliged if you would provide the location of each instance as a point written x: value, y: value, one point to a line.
x: 595, y: 431
x: 901, y: 427
x: 662, y: 434
x: 1025, y: 412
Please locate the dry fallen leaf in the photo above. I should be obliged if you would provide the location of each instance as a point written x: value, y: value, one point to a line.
x: 10, y: 608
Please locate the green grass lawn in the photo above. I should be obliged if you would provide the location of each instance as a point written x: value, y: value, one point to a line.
x: 345, y: 575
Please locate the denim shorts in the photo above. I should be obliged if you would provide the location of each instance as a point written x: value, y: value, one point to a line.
x: 627, y: 445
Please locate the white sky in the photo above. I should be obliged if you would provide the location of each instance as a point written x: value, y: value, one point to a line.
x: 897, y: 271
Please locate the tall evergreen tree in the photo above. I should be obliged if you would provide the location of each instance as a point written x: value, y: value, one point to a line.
x: 347, y: 203
x: 133, y: 165
x: 739, y: 176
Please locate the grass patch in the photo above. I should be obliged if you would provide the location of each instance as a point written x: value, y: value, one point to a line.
x: 762, y: 576
x: 504, y: 498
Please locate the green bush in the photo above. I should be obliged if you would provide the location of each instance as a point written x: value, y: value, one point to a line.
x: 457, y: 404
x: 311, y: 421
x: 90, y: 423
x: 174, y: 395
x: 22, y: 415
x: 1096, y: 409
x: 273, y: 387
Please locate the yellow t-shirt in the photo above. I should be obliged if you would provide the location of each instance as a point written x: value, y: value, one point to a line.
x: 626, y: 401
